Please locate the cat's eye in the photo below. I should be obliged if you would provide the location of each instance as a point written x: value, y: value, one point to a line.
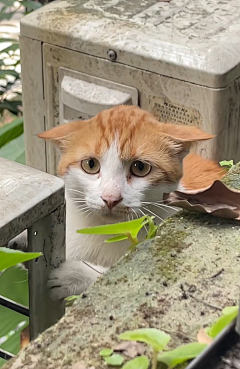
x: 91, y: 166
x: 140, y: 169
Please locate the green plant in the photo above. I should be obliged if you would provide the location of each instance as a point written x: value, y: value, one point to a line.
x: 227, y: 164
x: 13, y: 285
x: 228, y: 315
x: 12, y: 141
x: 10, y: 89
x: 158, y: 341
x: 124, y: 230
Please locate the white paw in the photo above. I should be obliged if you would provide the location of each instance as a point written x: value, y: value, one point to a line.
x: 70, y: 278
x: 58, y: 288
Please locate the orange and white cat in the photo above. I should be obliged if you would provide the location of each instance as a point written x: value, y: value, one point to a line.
x: 116, y: 166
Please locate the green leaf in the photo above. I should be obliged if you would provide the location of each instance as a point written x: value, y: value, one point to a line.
x: 222, y: 322
x: 10, y: 131
x: 7, y: 39
x: 71, y: 299
x: 6, y: 15
x: 8, y: 3
x: 114, y: 360
x: 124, y: 227
x: 227, y: 163
x: 181, y: 354
x: 153, y: 337
x: 8, y: 72
x: 14, y: 150
x: 152, y: 227
x: 121, y: 237
x: 13, y: 285
x: 12, y: 106
x: 106, y: 352
x: 230, y: 309
x: 31, y: 5
x: 12, y: 47
x: 140, y: 362
x: 10, y: 257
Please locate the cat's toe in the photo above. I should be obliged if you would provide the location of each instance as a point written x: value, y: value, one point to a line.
x: 58, y: 288
x: 58, y: 292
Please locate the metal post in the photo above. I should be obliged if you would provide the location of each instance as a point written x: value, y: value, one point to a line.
x: 47, y: 236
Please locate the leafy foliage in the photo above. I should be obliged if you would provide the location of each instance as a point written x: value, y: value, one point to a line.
x: 155, y: 338
x: 227, y: 163
x: 181, y: 354
x: 10, y: 257
x: 106, y: 352
x: 10, y: 97
x: 10, y: 131
x: 140, y: 362
x: 114, y: 360
x: 228, y: 315
x: 13, y: 285
x: 158, y: 340
x: 124, y: 230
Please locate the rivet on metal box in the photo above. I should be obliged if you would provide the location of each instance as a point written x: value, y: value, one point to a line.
x: 179, y: 60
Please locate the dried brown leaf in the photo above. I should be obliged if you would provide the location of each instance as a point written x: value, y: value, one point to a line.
x: 130, y: 349
x: 203, y: 337
x: 24, y: 337
x: 217, y: 200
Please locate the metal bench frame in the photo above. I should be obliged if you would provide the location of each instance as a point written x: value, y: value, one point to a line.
x: 34, y: 200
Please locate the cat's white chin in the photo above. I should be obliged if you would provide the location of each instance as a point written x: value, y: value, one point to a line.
x: 117, y: 214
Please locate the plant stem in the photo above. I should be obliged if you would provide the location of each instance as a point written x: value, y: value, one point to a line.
x: 134, y: 241
x: 154, y: 359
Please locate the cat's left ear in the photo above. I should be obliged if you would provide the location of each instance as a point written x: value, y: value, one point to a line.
x: 184, y: 136
x: 59, y: 135
x: 184, y: 133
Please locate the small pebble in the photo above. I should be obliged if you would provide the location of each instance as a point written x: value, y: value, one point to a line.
x: 192, y: 288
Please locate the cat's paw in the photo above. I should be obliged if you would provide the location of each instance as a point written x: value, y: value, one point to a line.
x: 70, y: 278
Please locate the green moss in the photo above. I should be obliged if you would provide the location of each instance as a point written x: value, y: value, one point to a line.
x: 168, y: 245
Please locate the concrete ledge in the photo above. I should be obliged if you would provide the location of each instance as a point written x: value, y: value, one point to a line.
x: 178, y: 282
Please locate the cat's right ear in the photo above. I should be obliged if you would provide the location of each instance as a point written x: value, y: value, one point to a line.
x: 60, y: 135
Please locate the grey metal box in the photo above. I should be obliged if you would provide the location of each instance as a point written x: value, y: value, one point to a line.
x: 178, y: 59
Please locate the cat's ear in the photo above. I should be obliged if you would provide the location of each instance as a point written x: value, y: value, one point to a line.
x: 183, y: 136
x: 59, y: 135
x: 183, y: 133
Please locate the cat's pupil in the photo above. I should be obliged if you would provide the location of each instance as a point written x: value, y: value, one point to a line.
x: 140, y: 165
x: 91, y: 163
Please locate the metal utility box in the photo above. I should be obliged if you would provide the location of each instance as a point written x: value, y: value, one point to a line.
x: 178, y: 59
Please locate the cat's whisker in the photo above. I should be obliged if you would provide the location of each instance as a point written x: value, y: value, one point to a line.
x: 168, y: 207
x: 84, y: 210
x: 157, y: 216
x: 144, y: 216
x: 161, y: 206
x: 90, y: 212
x: 77, y: 191
x: 135, y: 213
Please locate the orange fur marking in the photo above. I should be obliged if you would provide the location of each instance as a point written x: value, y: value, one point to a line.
x: 199, y: 173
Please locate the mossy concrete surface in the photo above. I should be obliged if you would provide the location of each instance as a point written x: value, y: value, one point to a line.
x: 178, y: 282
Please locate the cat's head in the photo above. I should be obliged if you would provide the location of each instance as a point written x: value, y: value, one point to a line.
x: 122, y: 159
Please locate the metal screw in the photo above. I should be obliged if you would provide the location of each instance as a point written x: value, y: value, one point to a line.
x: 112, y: 55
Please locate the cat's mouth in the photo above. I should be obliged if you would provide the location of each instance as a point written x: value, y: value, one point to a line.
x: 118, y: 211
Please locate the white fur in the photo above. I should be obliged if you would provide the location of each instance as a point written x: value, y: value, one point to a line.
x: 85, y: 191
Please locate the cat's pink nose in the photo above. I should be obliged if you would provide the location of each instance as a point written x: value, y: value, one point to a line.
x: 111, y: 201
